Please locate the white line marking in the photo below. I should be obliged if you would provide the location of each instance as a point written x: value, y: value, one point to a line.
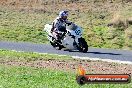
x: 106, y: 60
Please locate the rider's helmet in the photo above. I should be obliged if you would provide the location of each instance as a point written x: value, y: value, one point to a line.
x: 63, y: 14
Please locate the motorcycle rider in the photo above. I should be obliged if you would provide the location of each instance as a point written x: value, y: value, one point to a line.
x: 59, y: 24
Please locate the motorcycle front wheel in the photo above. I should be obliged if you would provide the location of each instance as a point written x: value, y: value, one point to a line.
x: 82, y: 45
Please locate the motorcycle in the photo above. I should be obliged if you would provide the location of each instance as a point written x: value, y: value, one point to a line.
x: 71, y: 39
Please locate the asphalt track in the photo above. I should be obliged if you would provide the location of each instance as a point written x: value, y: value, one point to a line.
x: 121, y: 55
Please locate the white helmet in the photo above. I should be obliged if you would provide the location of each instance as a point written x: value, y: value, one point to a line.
x: 63, y: 13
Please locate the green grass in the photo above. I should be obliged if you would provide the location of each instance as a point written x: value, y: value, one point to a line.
x: 26, y: 56
x: 24, y: 25
x: 32, y: 77
x: 18, y: 26
x: 28, y: 77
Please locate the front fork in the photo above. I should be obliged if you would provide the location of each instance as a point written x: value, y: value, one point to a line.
x: 76, y: 42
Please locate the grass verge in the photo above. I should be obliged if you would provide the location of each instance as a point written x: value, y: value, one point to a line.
x: 28, y: 56
x: 34, y: 77
x: 28, y: 77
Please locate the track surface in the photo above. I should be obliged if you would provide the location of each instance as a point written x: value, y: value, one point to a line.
x: 122, y: 55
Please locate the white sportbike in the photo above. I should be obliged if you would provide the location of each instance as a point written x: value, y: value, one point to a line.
x: 70, y: 40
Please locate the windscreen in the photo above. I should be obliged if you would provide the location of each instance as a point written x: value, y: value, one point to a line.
x: 71, y: 27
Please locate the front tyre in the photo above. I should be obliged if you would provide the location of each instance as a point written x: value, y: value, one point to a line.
x: 82, y: 45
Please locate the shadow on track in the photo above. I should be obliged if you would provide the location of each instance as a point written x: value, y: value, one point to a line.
x: 103, y: 53
x: 99, y: 53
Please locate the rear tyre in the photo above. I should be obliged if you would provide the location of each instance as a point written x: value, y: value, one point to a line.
x: 82, y: 45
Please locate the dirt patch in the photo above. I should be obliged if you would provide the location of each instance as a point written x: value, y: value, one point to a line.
x: 94, y: 67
